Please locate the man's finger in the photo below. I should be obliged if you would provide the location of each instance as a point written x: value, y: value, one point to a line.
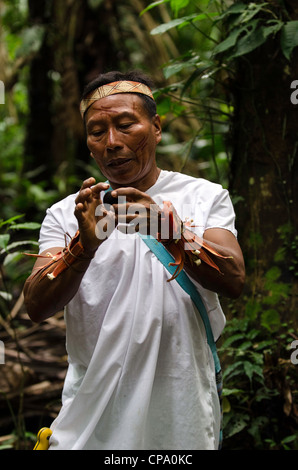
x: 88, y: 182
x: 131, y: 194
x: 98, y: 188
x: 88, y: 191
x: 83, y: 195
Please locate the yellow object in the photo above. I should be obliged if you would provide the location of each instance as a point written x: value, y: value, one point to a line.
x: 43, y: 437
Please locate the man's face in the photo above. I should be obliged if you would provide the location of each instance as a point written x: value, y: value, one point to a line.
x: 122, y: 139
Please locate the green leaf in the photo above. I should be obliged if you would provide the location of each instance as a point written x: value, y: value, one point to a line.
x: 247, y: 38
x: 248, y: 369
x: 266, y: 344
x: 252, y: 309
x: 231, y: 391
x: 235, y: 9
x: 12, y: 258
x: 288, y: 439
x: 26, y: 226
x: 13, y: 245
x: 244, y: 12
x: 177, y: 5
x: 273, y: 273
x: 273, y: 29
x: 162, y: 28
x: 153, y: 5
x: 232, y: 369
x: 176, y: 66
x: 226, y: 405
x: 245, y: 345
x: 173, y: 69
x: 251, y: 368
x: 277, y: 291
x: 270, y: 320
x: 251, y: 10
x: 229, y: 42
x: 251, y: 41
x: 183, y: 21
x: 289, y: 38
x: 252, y: 334
x: 164, y: 106
x: 236, y: 425
x: 232, y: 339
x: 11, y: 220
x: 4, y: 239
x: 280, y: 254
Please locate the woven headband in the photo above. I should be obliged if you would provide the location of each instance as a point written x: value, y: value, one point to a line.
x: 112, y: 89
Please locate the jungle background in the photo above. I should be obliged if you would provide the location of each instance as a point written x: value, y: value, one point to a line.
x: 225, y: 74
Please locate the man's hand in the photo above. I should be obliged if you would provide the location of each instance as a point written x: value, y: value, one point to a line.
x: 139, y: 211
x: 87, y: 202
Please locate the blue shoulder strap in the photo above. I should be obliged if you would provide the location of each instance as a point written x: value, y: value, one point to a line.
x: 183, y: 280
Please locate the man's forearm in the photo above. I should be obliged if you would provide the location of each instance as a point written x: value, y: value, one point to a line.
x: 215, y: 261
x: 44, y: 297
x: 228, y: 282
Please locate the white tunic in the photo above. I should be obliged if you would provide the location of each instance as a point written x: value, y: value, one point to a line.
x: 141, y: 374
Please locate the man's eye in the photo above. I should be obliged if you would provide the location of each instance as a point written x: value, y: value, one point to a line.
x: 97, y: 133
x: 125, y: 125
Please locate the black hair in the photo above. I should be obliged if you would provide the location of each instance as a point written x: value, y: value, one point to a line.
x: 115, y: 76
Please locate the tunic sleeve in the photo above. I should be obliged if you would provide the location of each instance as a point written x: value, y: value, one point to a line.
x: 222, y: 214
x: 59, y: 225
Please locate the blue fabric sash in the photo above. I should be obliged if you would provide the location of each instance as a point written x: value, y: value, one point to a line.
x: 183, y: 280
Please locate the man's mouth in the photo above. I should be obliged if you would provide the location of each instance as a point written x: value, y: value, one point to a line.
x: 116, y: 162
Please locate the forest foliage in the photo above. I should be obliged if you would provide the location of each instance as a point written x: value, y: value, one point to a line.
x: 196, y: 51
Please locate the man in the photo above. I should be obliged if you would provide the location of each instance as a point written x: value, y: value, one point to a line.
x: 141, y: 374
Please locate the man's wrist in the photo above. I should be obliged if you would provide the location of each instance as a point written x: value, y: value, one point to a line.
x: 73, y: 256
x: 84, y: 251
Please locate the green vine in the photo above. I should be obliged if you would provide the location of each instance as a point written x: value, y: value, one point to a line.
x: 250, y: 25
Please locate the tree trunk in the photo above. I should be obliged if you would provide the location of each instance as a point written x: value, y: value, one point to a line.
x: 39, y: 131
x: 264, y: 170
x: 75, y: 49
x: 263, y: 183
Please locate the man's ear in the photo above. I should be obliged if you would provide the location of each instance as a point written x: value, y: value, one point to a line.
x: 157, y: 124
x: 91, y: 155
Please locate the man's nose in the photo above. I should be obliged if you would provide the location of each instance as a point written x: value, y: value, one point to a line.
x: 113, y: 140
